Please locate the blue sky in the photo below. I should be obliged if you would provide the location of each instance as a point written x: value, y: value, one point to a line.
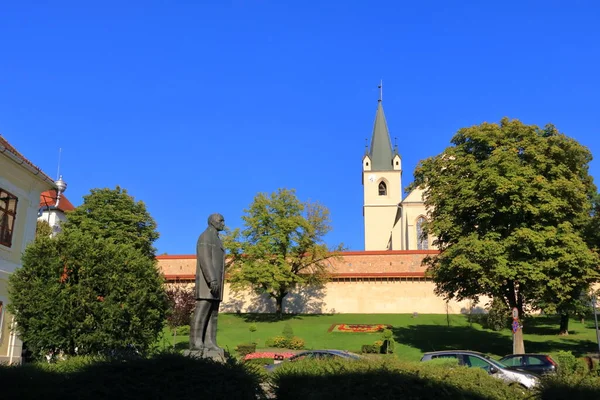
x: 194, y: 107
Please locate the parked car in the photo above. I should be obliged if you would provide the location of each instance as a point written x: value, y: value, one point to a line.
x: 536, y: 363
x: 317, y: 355
x: 479, y: 360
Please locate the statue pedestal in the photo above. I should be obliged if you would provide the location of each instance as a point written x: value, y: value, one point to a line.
x: 216, y: 354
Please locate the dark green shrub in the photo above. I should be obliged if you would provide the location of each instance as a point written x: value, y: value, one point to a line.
x: 252, y: 328
x: 183, y: 330
x: 165, y: 376
x: 370, y: 349
x: 77, y: 294
x: 245, y: 348
x: 294, y: 343
x: 389, y: 344
x: 260, y: 361
x: 387, y: 379
x: 568, y: 364
x: 569, y: 386
x: 498, y: 315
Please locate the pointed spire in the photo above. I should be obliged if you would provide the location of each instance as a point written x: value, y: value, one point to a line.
x: 381, y: 152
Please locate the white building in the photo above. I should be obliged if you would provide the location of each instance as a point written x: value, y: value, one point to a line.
x: 21, y: 184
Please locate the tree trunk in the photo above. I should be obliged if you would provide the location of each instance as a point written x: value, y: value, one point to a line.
x: 564, y: 324
x: 279, y: 306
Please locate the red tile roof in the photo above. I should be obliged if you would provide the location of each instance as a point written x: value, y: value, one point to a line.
x: 48, y: 199
x: 10, y: 148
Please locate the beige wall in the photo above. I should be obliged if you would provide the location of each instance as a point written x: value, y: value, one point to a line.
x: 27, y: 187
x: 364, y: 282
x: 375, y: 297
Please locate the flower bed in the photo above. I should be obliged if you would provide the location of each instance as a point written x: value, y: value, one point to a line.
x: 360, y: 328
x: 267, y: 354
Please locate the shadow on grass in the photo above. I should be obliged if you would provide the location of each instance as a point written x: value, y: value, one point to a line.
x: 251, y: 317
x: 437, y: 337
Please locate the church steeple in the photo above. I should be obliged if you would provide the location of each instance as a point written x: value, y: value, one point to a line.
x: 382, y: 188
x: 381, y: 152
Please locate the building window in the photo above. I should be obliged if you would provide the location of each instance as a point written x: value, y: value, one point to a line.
x: 422, y: 237
x: 8, y: 212
x: 382, y: 189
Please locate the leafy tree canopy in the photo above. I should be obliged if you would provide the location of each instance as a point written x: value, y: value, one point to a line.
x: 114, y: 214
x: 508, y: 204
x: 281, y: 245
x: 79, y: 294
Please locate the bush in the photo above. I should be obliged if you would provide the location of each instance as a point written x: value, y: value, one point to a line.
x: 282, y: 342
x: 370, y: 349
x: 498, y: 315
x: 245, y: 348
x: 386, y: 379
x: 183, y: 330
x: 80, y: 295
x: 260, y: 361
x: 182, y: 302
x: 165, y: 376
x: 573, y: 387
x: 295, y: 343
x: 568, y: 364
x: 389, y: 344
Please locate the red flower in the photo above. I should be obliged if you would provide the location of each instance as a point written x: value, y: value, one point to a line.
x: 366, y: 328
x: 267, y: 354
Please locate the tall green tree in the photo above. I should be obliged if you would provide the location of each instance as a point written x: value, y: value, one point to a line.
x: 95, y: 287
x: 507, y: 204
x: 281, y: 246
x: 76, y: 294
x: 114, y: 214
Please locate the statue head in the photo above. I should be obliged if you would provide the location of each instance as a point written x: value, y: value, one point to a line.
x: 216, y: 221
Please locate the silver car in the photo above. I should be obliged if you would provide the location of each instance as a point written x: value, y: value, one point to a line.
x: 479, y: 360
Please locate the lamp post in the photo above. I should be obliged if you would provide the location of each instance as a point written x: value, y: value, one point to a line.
x: 594, y: 299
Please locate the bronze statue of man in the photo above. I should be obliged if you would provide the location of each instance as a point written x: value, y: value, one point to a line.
x: 210, y: 275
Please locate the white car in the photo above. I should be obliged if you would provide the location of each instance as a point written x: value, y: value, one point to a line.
x: 480, y: 360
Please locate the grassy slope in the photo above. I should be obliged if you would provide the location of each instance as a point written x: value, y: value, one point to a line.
x: 414, y: 336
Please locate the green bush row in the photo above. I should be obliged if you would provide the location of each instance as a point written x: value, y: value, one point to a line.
x: 164, y: 376
x: 283, y: 342
x: 387, y: 379
x: 183, y: 330
x: 260, y: 361
x: 245, y: 348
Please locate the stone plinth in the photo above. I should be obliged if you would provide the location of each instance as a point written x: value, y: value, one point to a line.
x: 216, y: 354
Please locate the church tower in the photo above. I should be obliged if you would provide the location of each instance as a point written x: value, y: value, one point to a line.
x: 382, y: 186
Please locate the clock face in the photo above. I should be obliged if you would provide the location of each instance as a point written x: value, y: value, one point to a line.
x: 372, y: 178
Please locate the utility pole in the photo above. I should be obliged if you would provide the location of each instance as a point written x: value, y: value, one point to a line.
x: 594, y: 299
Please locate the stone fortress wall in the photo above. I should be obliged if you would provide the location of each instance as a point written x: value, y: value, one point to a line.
x: 373, y: 282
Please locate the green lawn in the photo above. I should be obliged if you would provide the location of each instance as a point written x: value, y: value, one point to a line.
x: 414, y: 335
